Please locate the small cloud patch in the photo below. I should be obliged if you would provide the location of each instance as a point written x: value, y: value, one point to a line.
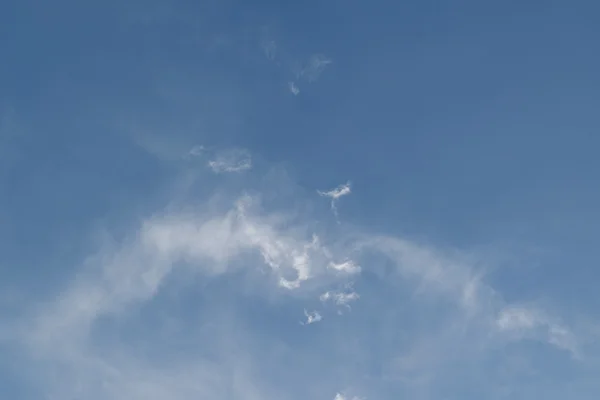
x: 293, y: 88
x: 347, y: 266
x: 314, y: 67
x: 236, y: 160
x: 340, y: 298
x: 312, y: 317
x: 335, y: 194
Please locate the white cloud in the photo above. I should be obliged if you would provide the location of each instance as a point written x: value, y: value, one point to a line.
x: 434, y: 272
x: 312, y: 317
x: 293, y: 88
x: 125, y: 276
x: 289, y: 261
x: 514, y: 318
x: 451, y: 277
x: 196, y: 151
x: 314, y: 67
x: 340, y: 298
x: 269, y: 48
x: 187, y: 304
x: 340, y: 396
x: 235, y: 160
x: 341, y: 190
x: 347, y: 266
x: 527, y: 322
x: 335, y: 194
x: 116, y: 278
x: 308, y: 71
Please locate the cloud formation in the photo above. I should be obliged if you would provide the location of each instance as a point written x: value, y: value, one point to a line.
x: 312, y: 317
x: 335, y: 194
x: 308, y: 71
x: 313, y: 69
x: 247, y: 254
x: 347, y: 266
x: 526, y: 322
x: 234, y: 160
x: 140, y: 266
x: 340, y: 396
x: 340, y: 298
x: 293, y: 88
x: 196, y: 151
x: 269, y: 48
x: 125, y: 276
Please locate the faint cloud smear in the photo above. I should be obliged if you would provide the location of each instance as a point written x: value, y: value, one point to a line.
x: 340, y: 396
x: 195, y: 151
x: 293, y: 88
x: 525, y: 322
x: 335, y: 194
x: 312, y: 317
x: 450, y: 276
x: 340, y: 298
x: 269, y: 48
x: 347, y: 266
x: 308, y: 71
x: 517, y: 319
x: 205, y: 244
x: 314, y: 67
x: 236, y: 160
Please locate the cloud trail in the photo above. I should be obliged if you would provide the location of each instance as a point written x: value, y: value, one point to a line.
x: 235, y: 160
x: 312, y: 317
x: 335, y: 194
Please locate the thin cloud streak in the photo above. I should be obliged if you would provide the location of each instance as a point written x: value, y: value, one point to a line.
x: 335, y: 194
x: 449, y: 277
x: 312, y: 317
x: 235, y: 160
x: 347, y: 266
x: 314, y: 67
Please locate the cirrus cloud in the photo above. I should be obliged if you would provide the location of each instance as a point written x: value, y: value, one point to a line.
x: 247, y: 254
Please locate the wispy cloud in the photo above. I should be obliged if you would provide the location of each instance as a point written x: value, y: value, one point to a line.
x: 450, y: 313
x: 340, y: 298
x: 315, y: 66
x: 125, y: 276
x: 197, y: 290
x: 308, y: 71
x: 236, y: 160
x: 335, y: 194
x: 312, y: 317
x: 205, y: 244
x: 195, y: 151
x: 269, y: 47
x: 293, y: 88
x: 348, y: 266
x: 451, y: 277
x: 528, y: 322
x: 340, y: 396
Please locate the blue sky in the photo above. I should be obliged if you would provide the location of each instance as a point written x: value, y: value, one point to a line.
x: 333, y: 200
